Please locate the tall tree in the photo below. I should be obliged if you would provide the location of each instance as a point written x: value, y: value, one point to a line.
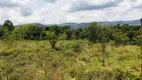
x: 8, y: 25
x: 94, y: 30
x: 31, y: 31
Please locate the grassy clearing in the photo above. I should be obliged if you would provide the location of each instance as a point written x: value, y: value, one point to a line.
x: 74, y: 60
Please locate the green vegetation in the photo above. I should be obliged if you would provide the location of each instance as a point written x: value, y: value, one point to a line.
x: 56, y: 52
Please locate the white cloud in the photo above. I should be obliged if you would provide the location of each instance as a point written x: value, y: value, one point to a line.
x: 51, y: 1
x: 81, y: 5
x: 7, y: 3
x: 55, y: 12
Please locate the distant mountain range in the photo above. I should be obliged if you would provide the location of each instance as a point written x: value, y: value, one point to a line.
x: 105, y: 23
x: 113, y: 23
x: 84, y: 25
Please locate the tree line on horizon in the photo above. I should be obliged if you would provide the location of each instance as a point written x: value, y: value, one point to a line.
x: 96, y: 33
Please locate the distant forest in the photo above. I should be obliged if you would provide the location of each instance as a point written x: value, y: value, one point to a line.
x: 94, y: 32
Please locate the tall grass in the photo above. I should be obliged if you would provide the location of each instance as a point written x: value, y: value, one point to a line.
x: 75, y: 60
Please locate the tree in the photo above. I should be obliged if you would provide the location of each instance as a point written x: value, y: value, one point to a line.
x: 31, y: 31
x: 67, y: 30
x: 55, y: 28
x: 131, y: 34
x: 53, y: 38
x: 69, y: 34
x: 8, y: 25
x: 2, y: 32
x: 125, y: 28
x: 120, y: 38
x: 104, y: 38
x: 94, y: 30
x: 43, y: 35
x: 84, y: 33
x: 47, y: 28
x: 17, y: 34
x: 78, y: 32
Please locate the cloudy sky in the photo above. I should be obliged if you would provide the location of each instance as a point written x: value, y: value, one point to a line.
x: 61, y: 11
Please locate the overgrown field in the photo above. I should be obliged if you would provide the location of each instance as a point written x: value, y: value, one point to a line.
x: 73, y: 60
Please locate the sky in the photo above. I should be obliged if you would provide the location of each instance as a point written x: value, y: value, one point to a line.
x: 65, y: 11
